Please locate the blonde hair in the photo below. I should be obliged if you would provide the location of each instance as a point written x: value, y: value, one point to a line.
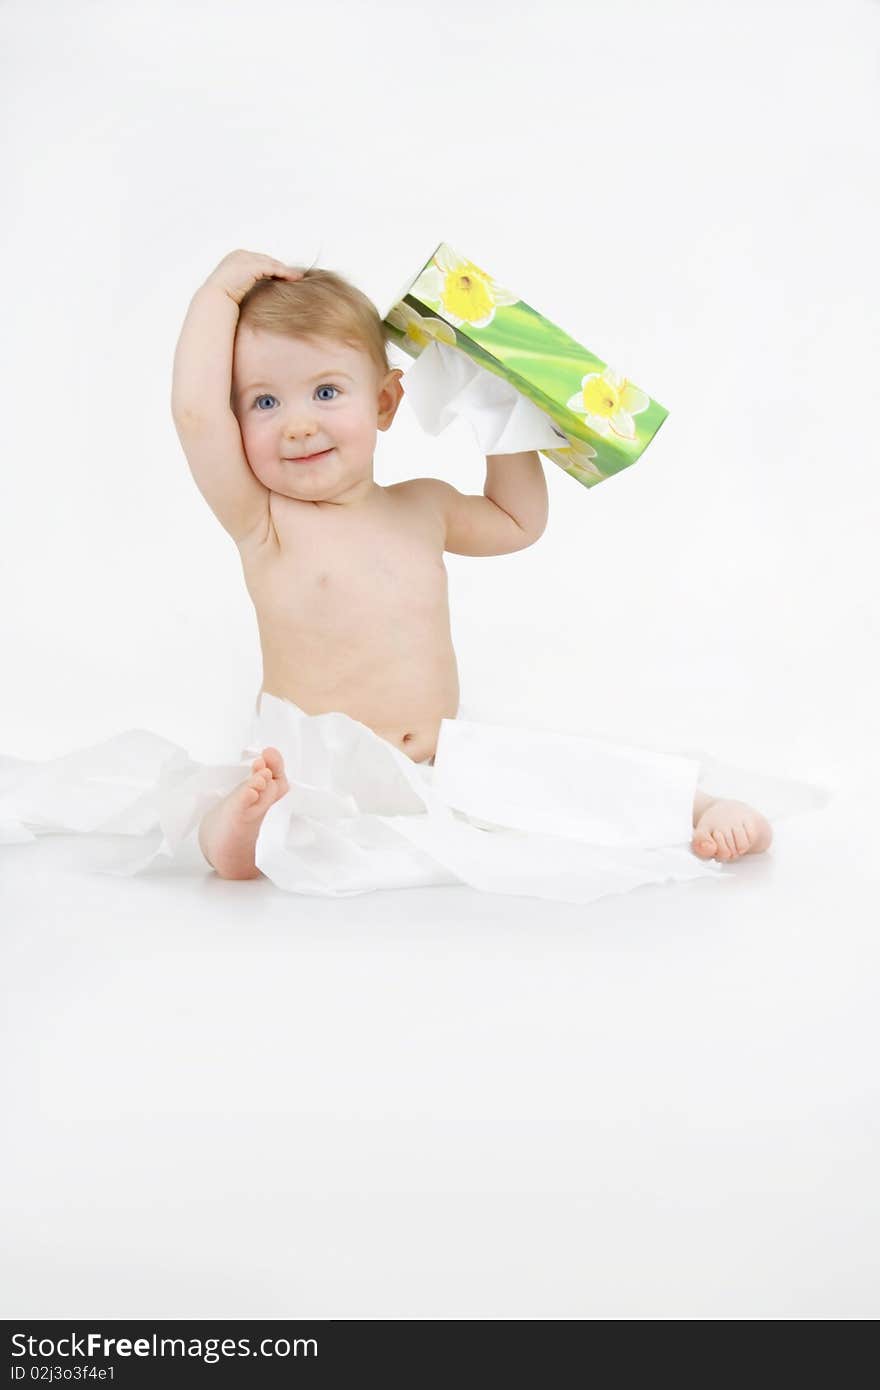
x: 322, y: 304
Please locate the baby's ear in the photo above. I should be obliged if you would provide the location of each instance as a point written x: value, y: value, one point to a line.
x: 394, y: 384
x: 390, y: 397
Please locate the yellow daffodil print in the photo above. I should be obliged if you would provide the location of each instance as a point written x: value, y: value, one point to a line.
x: 599, y: 430
x: 467, y: 295
x: 607, y: 402
x: 418, y: 330
x: 577, y: 460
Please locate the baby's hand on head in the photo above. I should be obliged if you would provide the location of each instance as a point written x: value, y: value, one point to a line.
x: 240, y: 270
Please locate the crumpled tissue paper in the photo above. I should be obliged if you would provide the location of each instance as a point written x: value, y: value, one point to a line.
x: 541, y: 813
x: 444, y: 384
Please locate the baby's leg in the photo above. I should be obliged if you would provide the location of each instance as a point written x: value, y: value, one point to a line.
x: 228, y: 833
x: 727, y: 829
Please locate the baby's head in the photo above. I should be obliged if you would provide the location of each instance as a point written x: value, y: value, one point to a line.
x: 310, y: 375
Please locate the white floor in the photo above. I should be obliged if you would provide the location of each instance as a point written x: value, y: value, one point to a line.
x: 226, y: 1101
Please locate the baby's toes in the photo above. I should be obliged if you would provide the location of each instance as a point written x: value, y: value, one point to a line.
x: 724, y: 851
x: 274, y: 761
x: 259, y: 781
x: 703, y: 845
x: 760, y: 833
x: 252, y: 793
x: 742, y: 838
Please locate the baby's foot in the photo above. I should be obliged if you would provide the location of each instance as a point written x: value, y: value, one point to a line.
x: 728, y: 829
x: 228, y: 833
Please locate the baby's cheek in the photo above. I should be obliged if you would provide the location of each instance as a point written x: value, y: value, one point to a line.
x: 357, y: 426
x: 253, y: 446
x: 252, y: 451
x: 271, y: 476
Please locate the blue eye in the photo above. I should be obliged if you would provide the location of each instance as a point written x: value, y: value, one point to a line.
x: 325, y: 386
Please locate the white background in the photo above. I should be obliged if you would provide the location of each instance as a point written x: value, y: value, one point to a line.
x: 689, y: 190
x: 692, y: 192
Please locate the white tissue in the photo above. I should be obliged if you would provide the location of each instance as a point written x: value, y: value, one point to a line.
x: 444, y: 384
x: 503, y: 809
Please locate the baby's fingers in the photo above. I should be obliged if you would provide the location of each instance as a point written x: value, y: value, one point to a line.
x: 290, y: 272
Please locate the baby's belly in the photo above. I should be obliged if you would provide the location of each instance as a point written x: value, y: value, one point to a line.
x: 401, y: 687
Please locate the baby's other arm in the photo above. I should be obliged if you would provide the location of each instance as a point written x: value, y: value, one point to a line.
x: 200, y: 396
x: 511, y: 514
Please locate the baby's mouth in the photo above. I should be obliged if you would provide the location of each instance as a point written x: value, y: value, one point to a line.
x: 307, y: 458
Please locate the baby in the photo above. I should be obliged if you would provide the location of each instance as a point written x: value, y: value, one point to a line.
x: 281, y: 381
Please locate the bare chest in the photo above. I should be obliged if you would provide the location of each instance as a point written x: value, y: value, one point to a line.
x: 329, y: 575
x: 353, y: 613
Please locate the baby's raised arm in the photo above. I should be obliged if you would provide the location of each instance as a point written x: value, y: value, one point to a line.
x: 201, y: 389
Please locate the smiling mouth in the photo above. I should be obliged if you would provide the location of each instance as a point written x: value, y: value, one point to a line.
x: 306, y: 458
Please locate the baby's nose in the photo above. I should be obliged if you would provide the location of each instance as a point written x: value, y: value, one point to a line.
x: 301, y: 425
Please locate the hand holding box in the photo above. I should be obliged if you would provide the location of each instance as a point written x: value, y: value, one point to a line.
x: 521, y: 381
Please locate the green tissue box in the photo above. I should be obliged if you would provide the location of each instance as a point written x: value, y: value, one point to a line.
x: 606, y: 422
